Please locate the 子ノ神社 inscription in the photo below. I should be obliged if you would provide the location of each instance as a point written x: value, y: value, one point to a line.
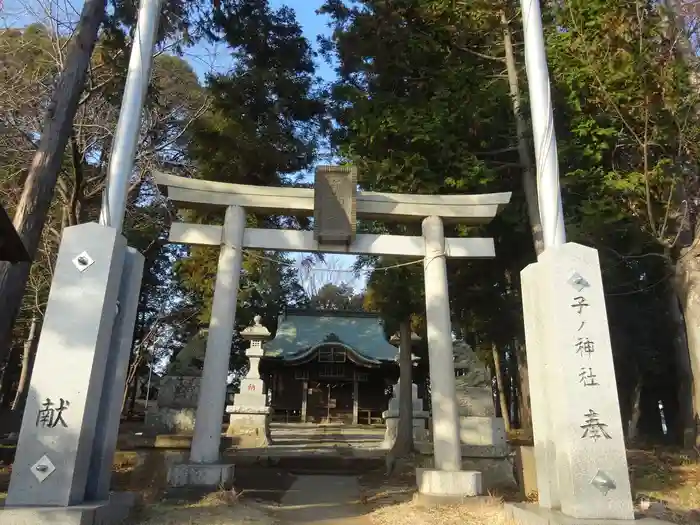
x: 335, y: 193
x: 593, y: 428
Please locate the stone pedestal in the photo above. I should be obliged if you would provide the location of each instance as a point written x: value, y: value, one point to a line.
x: 249, y: 419
x: 482, y: 434
x: 391, y: 418
x: 249, y: 427
x: 176, y: 407
x: 214, y: 475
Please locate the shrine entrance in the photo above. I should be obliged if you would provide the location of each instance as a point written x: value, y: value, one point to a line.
x: 330, y: 402
x: 335, y: 204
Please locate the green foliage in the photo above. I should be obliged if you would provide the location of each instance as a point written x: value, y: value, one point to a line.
x: 631, y: 115
x: 265, y: 115
x: 397, y: 294
x: 261, y: 128
x: 411, y: 110
x: 336, y: 297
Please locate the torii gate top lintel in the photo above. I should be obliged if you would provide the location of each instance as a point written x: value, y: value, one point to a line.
x: 460, y: 209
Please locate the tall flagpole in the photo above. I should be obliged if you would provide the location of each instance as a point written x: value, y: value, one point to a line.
x: 126, y: 137
x: 542, y: 116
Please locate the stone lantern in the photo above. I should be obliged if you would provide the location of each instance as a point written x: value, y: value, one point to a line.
x: 249, y: 416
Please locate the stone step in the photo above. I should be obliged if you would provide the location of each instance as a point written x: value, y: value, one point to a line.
x: 310, y: 464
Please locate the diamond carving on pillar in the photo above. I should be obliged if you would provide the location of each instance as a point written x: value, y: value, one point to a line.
x: 83, y: 261
x: 578, y: 282
x: 43, y: 468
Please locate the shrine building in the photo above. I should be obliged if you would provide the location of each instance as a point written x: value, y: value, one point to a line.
x: 329, y: 366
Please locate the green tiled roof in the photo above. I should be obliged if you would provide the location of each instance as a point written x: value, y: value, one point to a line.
x: 300, y: 332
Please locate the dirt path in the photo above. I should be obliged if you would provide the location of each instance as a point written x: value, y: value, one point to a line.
x: 323, y: 500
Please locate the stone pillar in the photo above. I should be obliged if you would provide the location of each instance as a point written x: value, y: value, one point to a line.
x: 206, y: 440
x: 212, y: 396
x: 304, y: 399
x: 587, y: 459
x: 544, y: 435
x: 447, y: 479
x: 355, y: 400
x: 249, y: 420
x: 442, y: 379
x: 56, y: 439
x: 107, y: 430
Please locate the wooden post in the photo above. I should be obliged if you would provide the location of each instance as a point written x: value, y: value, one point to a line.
x: 304, y: 399
x: 355, y: 400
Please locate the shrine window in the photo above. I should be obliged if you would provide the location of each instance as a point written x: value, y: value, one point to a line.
x: 332, y: 354
x: 331, y: 371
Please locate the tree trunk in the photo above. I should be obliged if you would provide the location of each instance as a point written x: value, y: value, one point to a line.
x: 635, y: 412
x: 28, y: 355
x: 686, y: 285
x: 529, y: 181
x: 133, y: 394
x: 404, y: 434
x: 505, y: 413
x: 10, y: 377
x: 524, y: 399
x: 43, y: 172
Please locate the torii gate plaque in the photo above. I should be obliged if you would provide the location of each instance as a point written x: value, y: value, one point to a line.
x: 335, y: 195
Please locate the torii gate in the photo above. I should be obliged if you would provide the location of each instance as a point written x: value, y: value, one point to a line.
x: 335, y: 204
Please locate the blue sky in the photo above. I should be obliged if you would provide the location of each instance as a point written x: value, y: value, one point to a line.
x: 204, y: 58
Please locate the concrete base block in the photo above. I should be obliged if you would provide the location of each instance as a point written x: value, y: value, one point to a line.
x: 112, y: 512
x: 249, y: 430
x: 532, y: 514
x: 460, y: 483
x: 200, y: 475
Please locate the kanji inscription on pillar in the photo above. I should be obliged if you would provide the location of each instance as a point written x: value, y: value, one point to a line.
x: 590, y: 463
x: 335, y: 194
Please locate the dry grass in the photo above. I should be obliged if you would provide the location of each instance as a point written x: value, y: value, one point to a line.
x: 662, y: 474
x: 392, y: 501
x: 483, y: 512
x: 670, y: 476
x: 218, y: 508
